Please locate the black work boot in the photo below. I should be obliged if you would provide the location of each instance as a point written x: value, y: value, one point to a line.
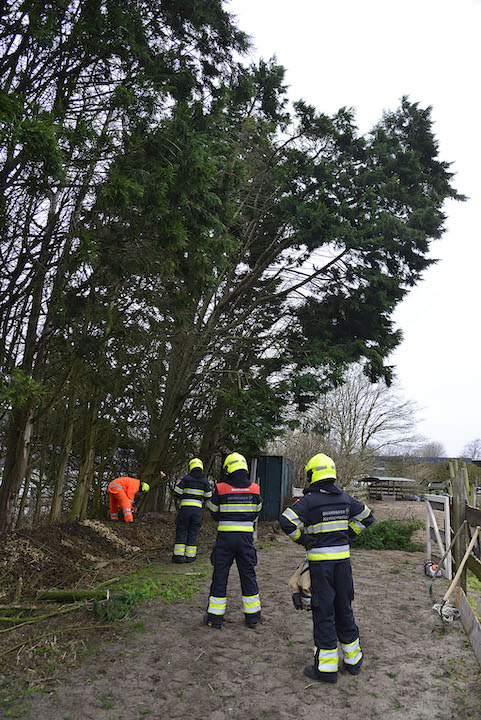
x: 190, y: 559
x: 213, y: 621
x: 178, y: 558
x: 312, y: 672
x: 353, y: 669
x: 252, y: 620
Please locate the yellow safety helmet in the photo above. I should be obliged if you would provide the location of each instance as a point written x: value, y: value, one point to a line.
x: 234, y: 461
x: 195, y: 462
x: 145, y: 487
x: 321, y: 467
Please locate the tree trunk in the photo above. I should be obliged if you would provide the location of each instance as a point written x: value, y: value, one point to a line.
x: 82, y: 489
x: 38, y: 502
x: 97, y: 494
x: 56, y: 509
x: 19, y: 436
x: 23, y: 501
x: 39, y: 484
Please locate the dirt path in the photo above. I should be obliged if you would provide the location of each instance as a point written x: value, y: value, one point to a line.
x: 168, y: 665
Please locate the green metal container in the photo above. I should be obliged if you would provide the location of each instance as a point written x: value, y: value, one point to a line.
x: 275, y: 476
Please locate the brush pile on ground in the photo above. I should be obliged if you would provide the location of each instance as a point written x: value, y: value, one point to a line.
x: 76, y: 557
x: 71, y: 554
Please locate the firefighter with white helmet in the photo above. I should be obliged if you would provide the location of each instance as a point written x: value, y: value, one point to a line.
x: 235, y: 504
x: 324, y: 521
x: 190, y: 494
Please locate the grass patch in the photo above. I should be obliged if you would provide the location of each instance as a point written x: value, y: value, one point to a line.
x: 267, y: 544
x: 474, y: 586
x: 390, y: 535
x: 147, y: 583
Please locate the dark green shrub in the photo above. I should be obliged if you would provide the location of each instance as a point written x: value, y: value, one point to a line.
x: 390, y: 535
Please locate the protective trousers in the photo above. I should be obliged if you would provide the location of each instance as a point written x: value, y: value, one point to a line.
x: 332, y: 593
x: 118, y: 498
x: 230, y: 546
x: 188, y: 523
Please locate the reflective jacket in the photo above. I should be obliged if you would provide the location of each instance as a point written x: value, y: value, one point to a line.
x: 193, y: 489
x: 325, y: 520
x: 236, y: 503
x: 129, y: 485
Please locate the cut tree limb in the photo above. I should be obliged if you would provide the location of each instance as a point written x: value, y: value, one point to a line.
x: 74, y: 594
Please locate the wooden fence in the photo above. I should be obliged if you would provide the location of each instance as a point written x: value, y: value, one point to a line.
x: 462, y: 512
x: 392, y: 488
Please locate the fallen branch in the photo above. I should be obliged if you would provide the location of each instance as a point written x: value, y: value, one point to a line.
x: 75, y: 594
x: 54, y: 632
x: 18, y: 590
x: 37, y: 618
x: 22, y: 607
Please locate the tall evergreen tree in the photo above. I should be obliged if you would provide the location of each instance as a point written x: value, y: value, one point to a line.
x: 72, y: 74
x: 285, y: 260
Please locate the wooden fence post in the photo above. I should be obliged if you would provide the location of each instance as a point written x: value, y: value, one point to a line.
x: 459, y: 509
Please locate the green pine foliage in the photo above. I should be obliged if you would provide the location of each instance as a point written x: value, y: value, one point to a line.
x: 188, y: 256
x: 143, y: 585
x: 390, y: 535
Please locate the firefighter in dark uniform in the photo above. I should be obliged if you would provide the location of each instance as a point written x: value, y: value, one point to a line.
x: 235, y: 504
x: 324, y: 521
x: 192, y: 490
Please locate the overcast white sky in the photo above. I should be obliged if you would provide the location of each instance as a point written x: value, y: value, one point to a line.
x: 366, y: 55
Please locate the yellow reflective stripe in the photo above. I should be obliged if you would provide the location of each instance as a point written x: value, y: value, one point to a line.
x: 356, y: 527
x: 237, y: 507
x: 250, y: 600
x: 328, y: 660
x: 251, y: 603
x: 349, y: 647
x: 353, y: 659
x: 193, y: 491
x: 337, y: 552
x: 190, y: 550
x: 292, y: 516
x: 179, y: 549
x: 226, y: 526
x: 352, y: 652
x: 217, y: 605
x: 211, y: 506
x: 208, y: 493
x: 295, y: 534
x: 328, y: 526
x: 178, y: 490
x: 363, y: 514
x: 191, y: 503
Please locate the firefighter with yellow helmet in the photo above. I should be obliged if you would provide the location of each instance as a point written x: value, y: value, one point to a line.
x: 235, y: 504
x: 190, y: 494
x: 325, y: 521
x: 122, y: 494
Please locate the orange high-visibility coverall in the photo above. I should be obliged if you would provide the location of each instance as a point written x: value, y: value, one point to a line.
x: 122, y: 493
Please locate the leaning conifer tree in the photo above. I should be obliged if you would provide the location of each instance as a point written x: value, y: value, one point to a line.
x: 279, y: 267
x: 71, y: 75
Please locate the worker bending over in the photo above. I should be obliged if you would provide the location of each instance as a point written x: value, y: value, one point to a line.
x: 122, y: 492
x: 192, y: 490
x: 235, y: 504
x: 324, y: 521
